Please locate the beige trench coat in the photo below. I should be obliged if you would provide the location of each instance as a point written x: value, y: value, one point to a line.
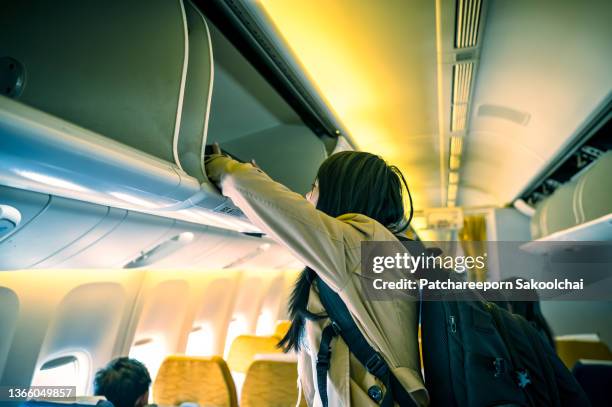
x: 331, y: 247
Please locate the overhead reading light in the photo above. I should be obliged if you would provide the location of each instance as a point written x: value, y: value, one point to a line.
x: 468, y: 22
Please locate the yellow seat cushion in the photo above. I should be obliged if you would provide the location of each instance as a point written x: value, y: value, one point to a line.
x: 244, y: 348
x: 271, y: 383
x: 571, y: 350
x: 206, y: 381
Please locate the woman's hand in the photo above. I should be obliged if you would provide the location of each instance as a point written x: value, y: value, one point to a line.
x: 216, y: 163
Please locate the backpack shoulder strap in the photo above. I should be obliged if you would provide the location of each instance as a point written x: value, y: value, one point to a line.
x: 342, y: 324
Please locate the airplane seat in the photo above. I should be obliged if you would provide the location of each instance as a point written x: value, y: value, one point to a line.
x: 138, y: 82
x: 595, y: 377
x: 571, y: 349
x: 244, y: 349
x: 281, y: 329
x: 201, y: 380
x: 243, y: 352
x: 270, y: 382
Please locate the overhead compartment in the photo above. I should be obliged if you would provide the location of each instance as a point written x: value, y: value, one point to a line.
x: 290, y: 154
x: 556, y: 212
x: 109, y: 121
x: 593, y: 195
x: 252, y: 121
x: 110, y: 67
x: 125, y: 106
x: 582, y: 201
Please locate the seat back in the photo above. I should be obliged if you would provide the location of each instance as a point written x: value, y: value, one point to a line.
x: 571, y: 350
x: 206, y: 381
x: 244, y: 349
x: 271, y: 383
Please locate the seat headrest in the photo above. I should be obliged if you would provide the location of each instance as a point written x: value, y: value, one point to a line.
x: 202, y: 380
x: 271, y: 383
x: 570, y: 350
x: 245, y: 347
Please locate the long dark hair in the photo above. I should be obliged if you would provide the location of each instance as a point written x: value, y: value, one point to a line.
x: 350, y: 182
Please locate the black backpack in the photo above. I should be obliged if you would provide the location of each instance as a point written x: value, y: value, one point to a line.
x: 474, y: 354
x: 477, y: 354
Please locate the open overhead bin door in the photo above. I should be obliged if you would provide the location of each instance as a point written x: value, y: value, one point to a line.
x: 113, y: 104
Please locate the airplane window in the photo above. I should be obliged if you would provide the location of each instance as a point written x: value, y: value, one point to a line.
x: 70, y: 370
x: 151, y: 352
x: 265, y: 323
x: 237, y: 326
x: 201, y: 341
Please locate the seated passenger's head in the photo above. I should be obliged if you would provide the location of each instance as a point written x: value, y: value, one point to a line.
x: 124, y: 382
x: 360, y: 182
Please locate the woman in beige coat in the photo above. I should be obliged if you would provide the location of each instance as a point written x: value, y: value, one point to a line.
x: 356, y: 197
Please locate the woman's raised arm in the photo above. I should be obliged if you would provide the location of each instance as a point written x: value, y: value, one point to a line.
x: 316, y: 239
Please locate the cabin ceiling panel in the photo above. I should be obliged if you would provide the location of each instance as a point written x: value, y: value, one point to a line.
x: 376, y: 67
x: 549, y: 60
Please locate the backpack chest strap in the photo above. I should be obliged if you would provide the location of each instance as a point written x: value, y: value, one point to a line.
x: 342, y: 324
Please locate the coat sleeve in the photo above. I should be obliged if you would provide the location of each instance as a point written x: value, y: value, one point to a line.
x: 316, y: 239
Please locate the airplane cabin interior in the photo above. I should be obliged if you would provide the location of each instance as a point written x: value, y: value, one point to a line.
x: 116, y: 242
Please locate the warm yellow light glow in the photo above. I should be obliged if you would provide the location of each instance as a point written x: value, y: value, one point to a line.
x: 452, y: 192
x: 462, y: 84
x: 456, y: 145
x: 375, y: 70
x: 237, y: 326
x: 454, y: 162
x: 151, y: 352
x: 453, y: 177
x: 265, y: 323
x: 201, y: 341
x: 419, y: 223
